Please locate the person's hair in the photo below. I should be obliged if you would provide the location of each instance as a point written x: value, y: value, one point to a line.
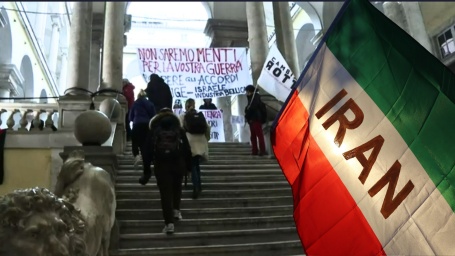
x: 165, y: 110
x: 190, y: 103
x: 250, y: 88
x: 141, y: 94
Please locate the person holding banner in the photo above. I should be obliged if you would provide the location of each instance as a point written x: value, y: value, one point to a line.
x: 208, y: 105
x: 255, y: 118
x: 159, y: 92
x: 198, y: 134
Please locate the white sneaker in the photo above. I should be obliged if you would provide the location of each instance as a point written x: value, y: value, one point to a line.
x: 177, y: 215
x: 169, y: 228
x: 137, y: 159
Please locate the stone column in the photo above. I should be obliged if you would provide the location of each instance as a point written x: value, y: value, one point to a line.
x: 227, y: 33
x: 257, y: 37
x: 40, y: 25
x: 55, y: 45
x: 394, y: 11
x: 95, y: 60
x: 113, y: 45
x: 416, y: 25
x: 79, y: 45
x: 284, y: 31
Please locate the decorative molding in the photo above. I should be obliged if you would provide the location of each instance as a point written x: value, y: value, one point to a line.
x: 227, y: 33
x: 11, y: 79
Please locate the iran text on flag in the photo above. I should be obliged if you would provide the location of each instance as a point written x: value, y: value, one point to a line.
x: 367, y: 141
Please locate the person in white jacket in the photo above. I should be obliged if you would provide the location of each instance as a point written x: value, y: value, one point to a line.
x: 199, y: 146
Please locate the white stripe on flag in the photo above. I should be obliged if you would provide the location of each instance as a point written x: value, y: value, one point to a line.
x: 420, y: 225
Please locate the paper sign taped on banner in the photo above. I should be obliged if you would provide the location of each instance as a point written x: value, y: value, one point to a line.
x: 197, y: 72
x: 276, y: 77
x: 238, y: 120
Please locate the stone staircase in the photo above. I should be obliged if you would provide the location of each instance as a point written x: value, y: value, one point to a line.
x: 245, y: 208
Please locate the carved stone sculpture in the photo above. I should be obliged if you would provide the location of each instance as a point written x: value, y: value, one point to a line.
x: 90, y: 189
x: 36, y: 222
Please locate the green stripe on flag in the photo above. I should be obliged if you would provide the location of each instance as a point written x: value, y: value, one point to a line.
x: 413, y: 89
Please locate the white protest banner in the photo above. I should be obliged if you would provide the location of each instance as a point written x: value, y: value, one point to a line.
x: 197, y: 72
x: 215, y: 120
x: 276, y: 77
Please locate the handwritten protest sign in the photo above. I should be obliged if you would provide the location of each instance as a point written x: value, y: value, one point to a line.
x: 276, y: 77
x: 197, y: 72
x: 214, y: 119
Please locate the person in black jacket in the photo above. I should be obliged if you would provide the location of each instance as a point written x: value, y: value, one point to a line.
x: 254, y: 118
x: 169, y: 171
x: 159, y: 92
x: 208, y: 105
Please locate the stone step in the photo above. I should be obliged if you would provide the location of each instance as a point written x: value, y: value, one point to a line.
x: 238, y: 178
x: 215, y: 173
x: 217, y: 149
x: 193, y: 213
x: 151, y: 186
x: 214, y: 144
x: 151, y: 240
x: 216, y: 161
x: 207, y: 202
x: 220, y: 166
x: 282, y: 248
x: 211, y: 153
x: 202, y: 225
x: 211, y: 157
x: 221, y: 194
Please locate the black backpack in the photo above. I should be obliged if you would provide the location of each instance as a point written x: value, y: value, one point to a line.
x: 194, y: 122
x: 263, y: 112
x: 167, y: 143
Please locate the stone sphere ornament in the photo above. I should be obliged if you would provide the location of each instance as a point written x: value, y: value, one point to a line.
x: 92, y: 128
x: 111, y: 108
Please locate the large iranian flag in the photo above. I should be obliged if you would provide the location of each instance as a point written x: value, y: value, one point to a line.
x: 367, y: 141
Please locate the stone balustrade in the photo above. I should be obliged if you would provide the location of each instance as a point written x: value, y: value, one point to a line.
x: 28, y: 117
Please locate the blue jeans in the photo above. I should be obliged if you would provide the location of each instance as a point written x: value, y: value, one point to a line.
x: 196, y: 173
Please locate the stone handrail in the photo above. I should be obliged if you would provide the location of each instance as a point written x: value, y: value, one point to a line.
x: 28, y: 116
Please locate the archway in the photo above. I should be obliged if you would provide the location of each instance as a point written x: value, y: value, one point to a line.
x: 27, y: 72
x: 6, y: 40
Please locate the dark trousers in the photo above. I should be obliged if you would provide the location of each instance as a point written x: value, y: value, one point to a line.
x: 196, y: 173
x: 257, y: 134
x: 138, y: 136
x: 169, y: 176
x: 127, y: 126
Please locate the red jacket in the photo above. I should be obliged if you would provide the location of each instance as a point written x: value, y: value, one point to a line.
x: 128, y: 92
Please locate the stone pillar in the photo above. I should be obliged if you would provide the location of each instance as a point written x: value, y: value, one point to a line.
x: 79, y: 45
x: 285, y: 38
x: 227, y: 33
x: 394, y: 11
x: 113, y: 45
x: 95, y: 60
x: 416, y: 26
x: 224, y: 103
x: 40, y: 25
x: 55, y: 45
x: 257, y: 37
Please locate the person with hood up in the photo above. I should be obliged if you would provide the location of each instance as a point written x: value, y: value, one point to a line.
x: 141, y: 113
x: 208, y: 105
x: 128, y: 92
x: 168, y: 148
x: 159, y: 92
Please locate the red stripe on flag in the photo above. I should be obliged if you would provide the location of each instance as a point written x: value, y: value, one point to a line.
x: 326, y: 216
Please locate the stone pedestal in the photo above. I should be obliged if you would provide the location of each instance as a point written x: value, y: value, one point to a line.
x: 69, y: 107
